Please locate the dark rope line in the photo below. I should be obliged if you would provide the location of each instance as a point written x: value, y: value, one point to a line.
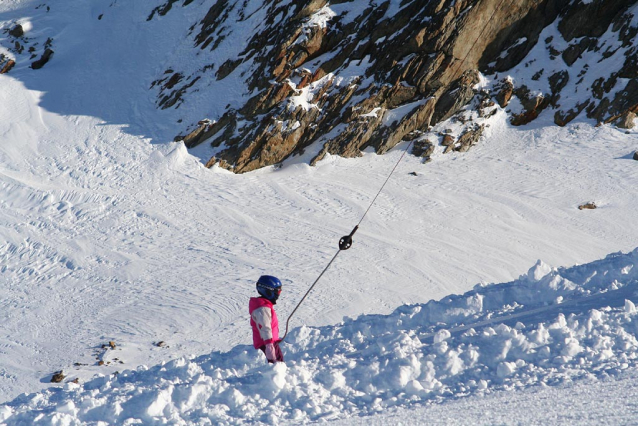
x: 308, y: 292
x: 346, y: 241
x: 346, y: 245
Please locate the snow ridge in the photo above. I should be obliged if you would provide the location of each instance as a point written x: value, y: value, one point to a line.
x: 548, y: 327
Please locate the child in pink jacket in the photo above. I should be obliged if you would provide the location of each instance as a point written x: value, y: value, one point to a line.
x: 263, y: 318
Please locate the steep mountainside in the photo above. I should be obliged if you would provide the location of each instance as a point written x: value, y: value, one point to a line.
x: 353, y: 74
x: 254, y: 82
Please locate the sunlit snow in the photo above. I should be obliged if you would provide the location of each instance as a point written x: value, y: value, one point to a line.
x: 111, y: 232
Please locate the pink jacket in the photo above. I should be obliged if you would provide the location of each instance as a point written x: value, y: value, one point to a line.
x: 264, y: 322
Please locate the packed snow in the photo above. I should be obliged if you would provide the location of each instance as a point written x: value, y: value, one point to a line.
x: 109, y: 232
x: 549, y: 327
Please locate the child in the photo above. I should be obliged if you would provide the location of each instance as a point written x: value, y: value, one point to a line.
x: 263, y: 318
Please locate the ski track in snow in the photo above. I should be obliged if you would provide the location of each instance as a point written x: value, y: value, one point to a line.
x: 108, y: 233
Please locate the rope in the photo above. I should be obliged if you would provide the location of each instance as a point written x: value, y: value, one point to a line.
x: 346, y: 241
x: 309, y: 290
x: 386, y: 181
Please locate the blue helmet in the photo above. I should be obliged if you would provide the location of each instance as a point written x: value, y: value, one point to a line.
x: 269, y: 287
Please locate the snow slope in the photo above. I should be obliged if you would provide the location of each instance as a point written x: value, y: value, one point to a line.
x: 574, y: 403
x: 108, y: 232
x: 549, y: 327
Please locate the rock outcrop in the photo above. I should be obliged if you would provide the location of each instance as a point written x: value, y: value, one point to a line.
x: 416, y: 65
x: 46, y: 56
x: 278, y: 79
x: 339, y: 77
x: 6, y: 64
x: 588, y: 206
x: 17, y: 31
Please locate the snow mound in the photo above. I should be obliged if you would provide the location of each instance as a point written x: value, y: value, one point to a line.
x: 550, y: 326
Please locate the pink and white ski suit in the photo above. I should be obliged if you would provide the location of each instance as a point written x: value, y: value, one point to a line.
x: 264, y: 322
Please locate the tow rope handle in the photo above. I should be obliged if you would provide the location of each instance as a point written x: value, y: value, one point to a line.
x: 346, y: 241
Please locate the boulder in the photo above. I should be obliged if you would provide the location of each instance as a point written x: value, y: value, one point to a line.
x: 505, y: 92
x: 17, y: 31
x: 469, y: 138
x: 448, y: 140
x: 7, y: 67
x: 587, y: 206
x: 46, y: 56
x: 533, y: 104
x: 626, y: 121
x: 423, y: 148
x: 636, y: 155
x: 58, y: 377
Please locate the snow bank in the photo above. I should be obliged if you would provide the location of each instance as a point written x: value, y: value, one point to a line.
x: 549, y: 326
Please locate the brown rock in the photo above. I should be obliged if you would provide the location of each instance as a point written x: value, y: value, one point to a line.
x: 533, y: 105
x: 625, y: 100
x: 207, y: 129
x: 312, y: 7
x: 399, y: 95
x: 524, y: 118
x: 529, y: 101
x: 448, y: 140
x: 505, y: 93
x: 589, y: 206
x: 7, y: 67
x: 419, y: 118
x: 423, y: 148
x: 350, y: 142
x: 469, y: 139
x: 626, y: 121
x: 58, y: 377
x: 112, y: 344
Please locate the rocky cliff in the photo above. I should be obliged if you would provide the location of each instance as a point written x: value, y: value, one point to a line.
x: 259, y: 81
x: 347, y: 75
